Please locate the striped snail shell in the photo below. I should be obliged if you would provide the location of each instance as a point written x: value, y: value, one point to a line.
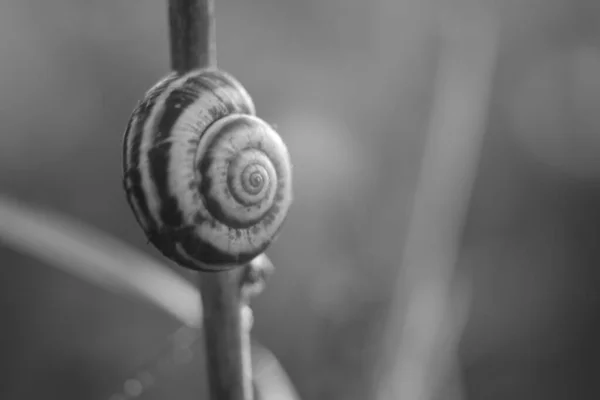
x: 208, y: 181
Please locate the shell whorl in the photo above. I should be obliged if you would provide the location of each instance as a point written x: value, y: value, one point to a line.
x: 208, y: 181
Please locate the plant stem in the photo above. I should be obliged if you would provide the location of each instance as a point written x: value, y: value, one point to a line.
x: 192, y: 33
x: 227, y: 339
x: 192, y: 38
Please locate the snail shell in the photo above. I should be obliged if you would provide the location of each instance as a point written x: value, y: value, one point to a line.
x: 208, y: 181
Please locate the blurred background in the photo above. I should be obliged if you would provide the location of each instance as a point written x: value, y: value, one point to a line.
x: 353, y: 87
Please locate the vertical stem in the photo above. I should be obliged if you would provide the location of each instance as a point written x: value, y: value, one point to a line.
x: 226, y: 337
x: 192, y: 38
x: 192, y: 32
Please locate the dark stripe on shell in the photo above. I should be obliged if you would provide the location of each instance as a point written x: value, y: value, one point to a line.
x: 132, y: 156
x: 160, y: 153
x: 202, y: 83
x: 201, y: 250
x: 222, y: 81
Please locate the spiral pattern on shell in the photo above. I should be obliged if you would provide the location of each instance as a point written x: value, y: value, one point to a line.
x: 208, y: 181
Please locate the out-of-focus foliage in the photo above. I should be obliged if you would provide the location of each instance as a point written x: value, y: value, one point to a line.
x: 349, y: 85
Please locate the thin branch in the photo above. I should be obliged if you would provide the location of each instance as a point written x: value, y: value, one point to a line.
x: 192, y: 30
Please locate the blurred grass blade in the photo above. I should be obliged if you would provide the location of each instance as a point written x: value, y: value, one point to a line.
x: 98, y: 258
x: 426, y: 320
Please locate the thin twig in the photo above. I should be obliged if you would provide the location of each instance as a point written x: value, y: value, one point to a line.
x: 192, y: 30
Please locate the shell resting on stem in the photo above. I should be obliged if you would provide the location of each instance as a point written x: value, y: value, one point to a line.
x: 208, y: 181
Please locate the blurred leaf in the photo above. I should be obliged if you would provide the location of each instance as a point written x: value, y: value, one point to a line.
x: 98, y: 258
x: 270, y: 379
